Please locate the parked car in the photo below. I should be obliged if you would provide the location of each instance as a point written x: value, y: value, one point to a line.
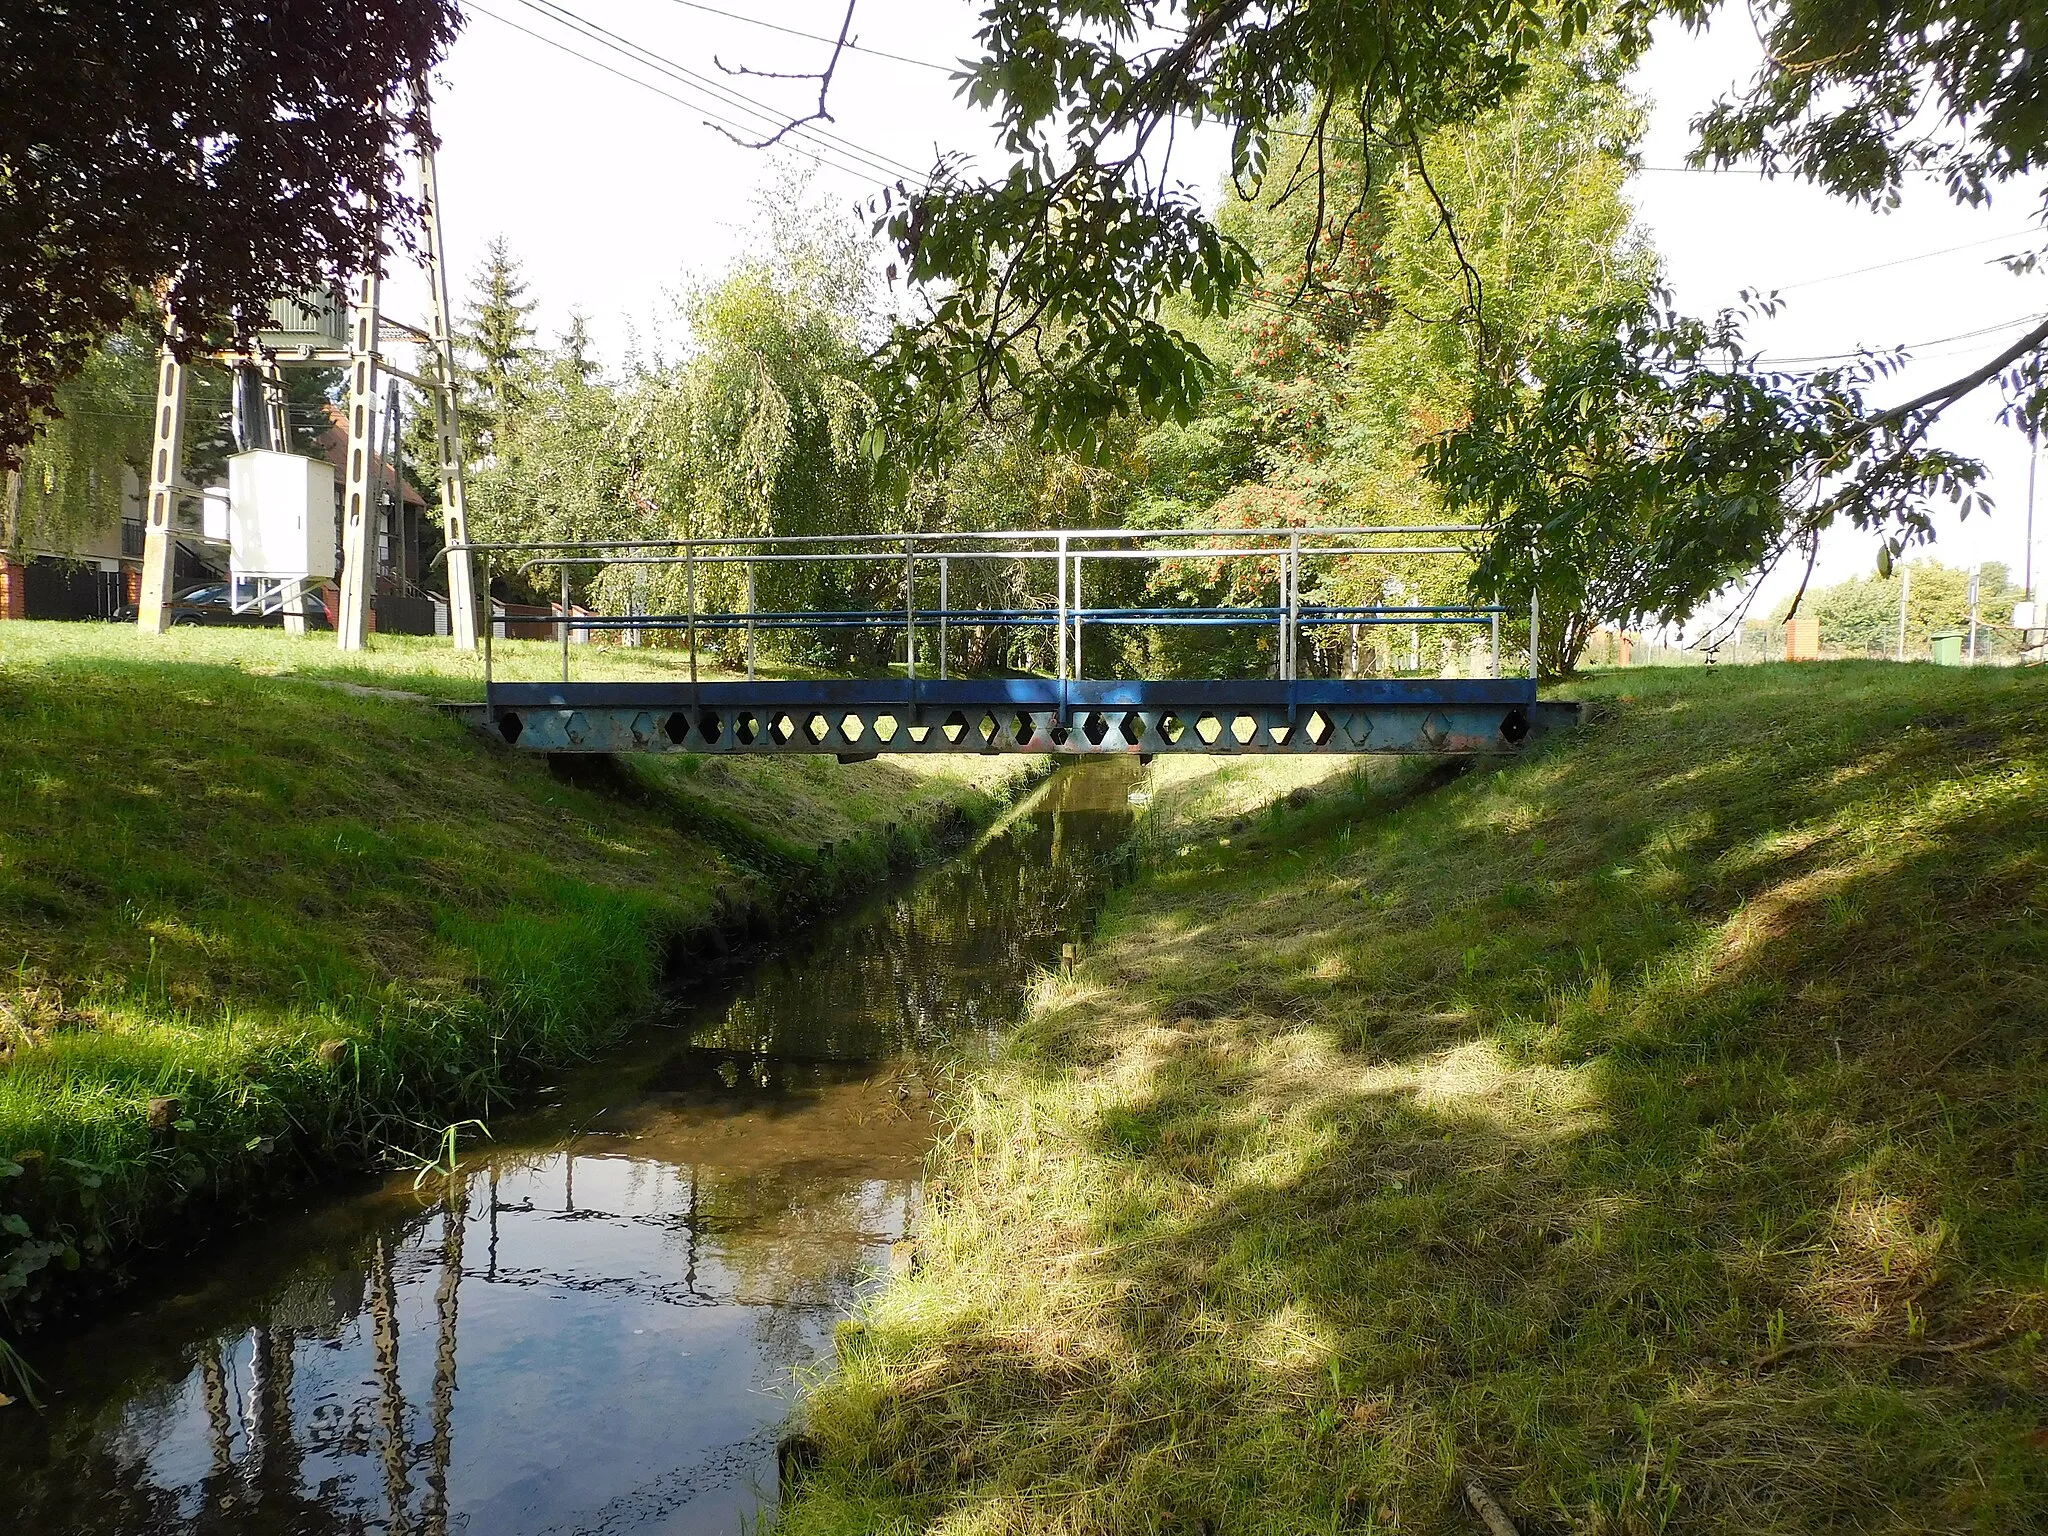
x: 209, y: 603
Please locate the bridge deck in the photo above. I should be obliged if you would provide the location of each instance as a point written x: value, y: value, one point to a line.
x: 854, y: 717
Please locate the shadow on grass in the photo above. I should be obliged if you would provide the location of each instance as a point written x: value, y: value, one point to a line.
x: 1653, y: 1127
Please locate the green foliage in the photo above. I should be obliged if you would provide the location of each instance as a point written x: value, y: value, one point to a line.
x: 1858, y: 96
x: 73, y: 476
x: 95, y: 443
x: 494, y: 345
x: 1641, y: 461
x: 1056, y: 277
x: 1350, y: 361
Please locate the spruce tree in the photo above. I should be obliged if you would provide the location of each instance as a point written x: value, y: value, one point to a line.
x: 496, y: 341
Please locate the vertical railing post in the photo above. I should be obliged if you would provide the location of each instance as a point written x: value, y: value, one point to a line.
x: 565, y: 621
x: 910, y: 613
x: 1061, y: 561
x: 1493, y: 665
x: 1534, y: 612
x: 1078, y: 605
x: 690, y: 597
x: 945, y: 604
x: 490, y: 625
x: 1293, y: 605
x: 750, y: 621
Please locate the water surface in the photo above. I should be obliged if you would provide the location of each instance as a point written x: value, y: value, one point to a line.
x: 594, y: 1327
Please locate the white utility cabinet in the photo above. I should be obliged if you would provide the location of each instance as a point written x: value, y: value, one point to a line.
x: 281, y: 516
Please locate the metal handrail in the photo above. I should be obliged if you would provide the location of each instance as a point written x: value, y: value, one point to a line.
x: 1069, y: 613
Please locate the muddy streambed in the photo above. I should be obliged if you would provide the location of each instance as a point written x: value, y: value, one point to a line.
x: 594, y: 1326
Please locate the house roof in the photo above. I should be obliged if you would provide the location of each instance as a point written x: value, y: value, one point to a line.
x: 332, y: 445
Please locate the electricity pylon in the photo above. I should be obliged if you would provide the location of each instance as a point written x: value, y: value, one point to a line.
x: 364, y: 358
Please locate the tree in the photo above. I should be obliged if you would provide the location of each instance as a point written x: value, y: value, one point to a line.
x: 576, y: 348
x: 222, y: 154
x: 1330, y: 396
x: 1050, y: 277
x: 496, y: 339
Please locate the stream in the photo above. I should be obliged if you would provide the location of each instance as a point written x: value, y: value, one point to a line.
x: 596, y: 1326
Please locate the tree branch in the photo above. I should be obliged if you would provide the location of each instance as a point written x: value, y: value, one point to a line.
x: 823, y: 77
x: 1955, y: 389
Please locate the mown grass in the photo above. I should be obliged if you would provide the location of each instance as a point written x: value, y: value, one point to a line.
x: 326, y: 923
x: 1656, y: 1128
x: 420, y: 664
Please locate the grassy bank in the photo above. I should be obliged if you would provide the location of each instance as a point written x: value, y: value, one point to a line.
x: 1656, y: 1129
x: 308, y: 924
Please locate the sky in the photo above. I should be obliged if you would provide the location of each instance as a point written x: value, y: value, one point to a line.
x: 615, y: 196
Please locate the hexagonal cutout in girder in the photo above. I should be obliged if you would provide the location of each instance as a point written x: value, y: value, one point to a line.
x: 710, y: 727
x: 1243, y: 729
x: 1096, y: 729
x: 1514, y: 727
x: 510, y: 726
x: 884, y: 727
x: 1131, y: 728
x: 1021, y: 729
x: 851, y: 728
x: 954, y: 726
x: 1279, y: 732
x: 745, y: 729
x: 1358, y: 726
x: 989, y: 729
x: 1170, y: 728
x: 1320, y: 727
x: 782, y: 730
x: 918, y: 734
x: 644, y: 729
x: 676, y: 728
x: 817, y: 728
x: 1209, y: 729
x: 576, y: 727
x: 1436, y: 729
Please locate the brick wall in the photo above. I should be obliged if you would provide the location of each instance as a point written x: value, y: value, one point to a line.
x: 13, y: 589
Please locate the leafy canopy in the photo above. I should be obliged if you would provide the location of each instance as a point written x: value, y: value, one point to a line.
x: 227, y: 152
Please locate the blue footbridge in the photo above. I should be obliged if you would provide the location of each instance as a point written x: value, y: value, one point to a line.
x: 1040, y: 580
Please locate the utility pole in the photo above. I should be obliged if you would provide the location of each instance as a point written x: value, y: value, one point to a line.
x: 1975, y: 587
x: 1905, y: 593
x: 2033, y: 472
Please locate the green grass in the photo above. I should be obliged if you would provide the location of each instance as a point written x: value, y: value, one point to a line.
x: 211, y: 866
x: 1655, y: 1127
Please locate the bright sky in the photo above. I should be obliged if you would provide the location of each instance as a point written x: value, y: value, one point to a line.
x: 614, y: 196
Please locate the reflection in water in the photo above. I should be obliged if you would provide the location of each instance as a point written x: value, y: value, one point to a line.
x: 594, y: 1328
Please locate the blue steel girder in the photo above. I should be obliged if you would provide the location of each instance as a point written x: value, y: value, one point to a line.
x: 854, y: 717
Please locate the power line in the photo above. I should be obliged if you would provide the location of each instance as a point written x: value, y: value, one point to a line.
x: 811, y: 154
x: 1950, y: 250
x: 805, y: 152
x: 816, y: 37
x: 728, y: 98
x: 1909, y: 346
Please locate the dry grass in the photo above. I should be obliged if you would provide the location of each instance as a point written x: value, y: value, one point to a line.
x: 1654, y: 1126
